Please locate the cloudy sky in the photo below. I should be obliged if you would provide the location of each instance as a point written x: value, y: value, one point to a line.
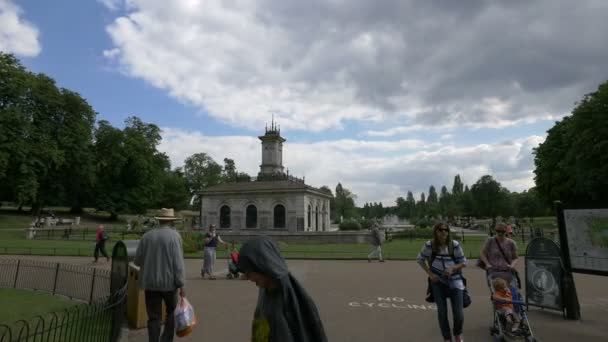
x: 382, y: 96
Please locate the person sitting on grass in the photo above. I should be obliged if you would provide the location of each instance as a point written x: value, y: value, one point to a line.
x: 284, y: 312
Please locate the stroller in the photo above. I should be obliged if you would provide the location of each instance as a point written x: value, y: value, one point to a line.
x: 233, y: 269
x: 499, y: 330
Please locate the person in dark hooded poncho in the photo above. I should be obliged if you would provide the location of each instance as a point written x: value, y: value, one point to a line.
x: 285, y: 312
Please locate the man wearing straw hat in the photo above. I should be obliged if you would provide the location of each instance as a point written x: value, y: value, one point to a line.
x: 162, y: 274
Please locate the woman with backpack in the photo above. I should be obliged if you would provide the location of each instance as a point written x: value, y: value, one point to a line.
x: 443, y: 259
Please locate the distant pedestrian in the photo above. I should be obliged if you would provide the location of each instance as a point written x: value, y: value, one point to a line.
x: 376, y: 245
x: 284, y: 312
x: 162, y: 274
x: 100, y: 243
x: 211, y: 241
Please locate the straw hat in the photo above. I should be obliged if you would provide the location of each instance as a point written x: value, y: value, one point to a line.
x: 166, y: 215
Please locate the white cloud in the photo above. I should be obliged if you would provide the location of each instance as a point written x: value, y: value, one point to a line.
x: 319, y: 64
x: 112, y: 53
x: 364, y: 168
x: 17, y: 35
x: 112, y: 5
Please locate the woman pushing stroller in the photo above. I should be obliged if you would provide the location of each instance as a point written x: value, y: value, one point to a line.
x: 499, y: 258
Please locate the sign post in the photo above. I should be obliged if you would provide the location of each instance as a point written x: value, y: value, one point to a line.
x: 544, y: 272
x: 583, y: 234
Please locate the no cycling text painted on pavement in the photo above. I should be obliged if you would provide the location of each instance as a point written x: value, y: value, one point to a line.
x: 391, y: 303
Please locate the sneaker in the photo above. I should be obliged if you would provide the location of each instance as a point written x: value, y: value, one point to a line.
x: 458, y: 338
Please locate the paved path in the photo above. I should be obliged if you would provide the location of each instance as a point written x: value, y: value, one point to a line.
x: 362, y: 302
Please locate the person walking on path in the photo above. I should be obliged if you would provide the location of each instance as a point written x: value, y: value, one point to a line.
x: 376, y: 245
x: 443, y: 259
x: 160, y: 257
x: 284, y: 312
x: 100, y: 243
x: 499, y: 256
x: 211, y: 241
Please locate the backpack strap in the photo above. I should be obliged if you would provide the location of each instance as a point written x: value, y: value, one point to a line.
x: 450, y: 252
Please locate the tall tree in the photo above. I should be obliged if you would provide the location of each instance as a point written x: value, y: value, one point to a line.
x: 411, y: 205
x: 572, y: 163
x: 129, y: 167
x: 229, y: 173
x: 201, y: 172
x: 457, y: 188
x: 45, y: 139
x: 490, y: 199
x: 345, y: 202
x: 432, y: 195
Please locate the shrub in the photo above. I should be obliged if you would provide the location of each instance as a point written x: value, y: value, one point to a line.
x: 192, y: 242
x: 367, y: 223
x: 350, y: 225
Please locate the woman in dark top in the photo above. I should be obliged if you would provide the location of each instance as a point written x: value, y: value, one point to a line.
x: 211, y: 241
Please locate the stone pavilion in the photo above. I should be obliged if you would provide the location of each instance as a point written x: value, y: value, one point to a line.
x: 272, y: 201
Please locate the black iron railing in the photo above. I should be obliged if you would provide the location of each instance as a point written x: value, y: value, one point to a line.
x: 97, y: 321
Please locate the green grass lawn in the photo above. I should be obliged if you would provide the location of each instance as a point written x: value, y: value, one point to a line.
x: 26, y: 304
x: 82, y: 320
x: 81, y: 242
x: 402, y: 249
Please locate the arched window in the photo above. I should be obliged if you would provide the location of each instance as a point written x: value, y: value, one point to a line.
x: 225, y: 217
x: 251, y: 220
x: 317, y: 218
x: 279, y: 216
x: 309, y: 216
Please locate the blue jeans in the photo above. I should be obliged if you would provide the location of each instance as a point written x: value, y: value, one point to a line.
x: 442, y: 293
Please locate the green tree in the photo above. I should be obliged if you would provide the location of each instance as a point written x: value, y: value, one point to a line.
x: 411, y: 205
x: 457, y: 188
x: 345, y: 203
x: 529, y: 204
x: 175, y: 192
x: 129, y: 167
x: 490, y: 199
x: 421, y: 206
x: 45, y: 139
x: 229, y: 173
x: 201, y: 172
x: 571, y: 165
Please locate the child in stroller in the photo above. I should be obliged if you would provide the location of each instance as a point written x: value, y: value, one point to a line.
x: 510, y: 311
x: 233, y: 261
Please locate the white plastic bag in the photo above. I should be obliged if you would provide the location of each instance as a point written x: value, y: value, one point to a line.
x: 185, y: 319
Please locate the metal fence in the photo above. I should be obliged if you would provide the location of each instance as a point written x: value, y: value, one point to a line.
x: 98, y: 321
x: 74, y: 281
